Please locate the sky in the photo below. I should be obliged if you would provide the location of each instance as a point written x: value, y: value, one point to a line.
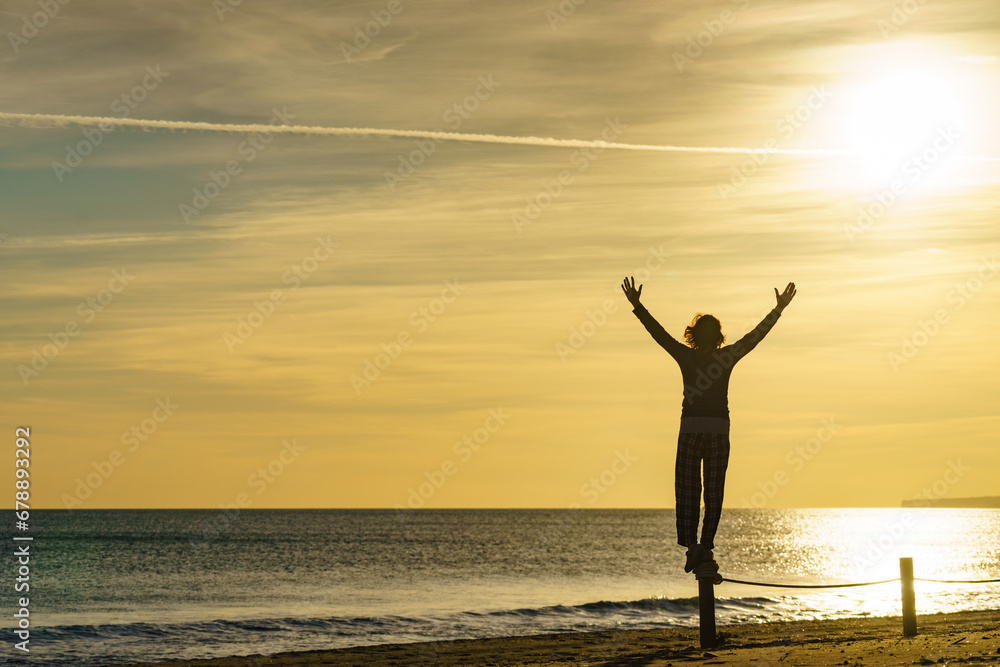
x: 203, y: 318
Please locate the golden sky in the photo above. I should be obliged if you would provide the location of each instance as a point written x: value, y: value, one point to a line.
x: 202, y: 308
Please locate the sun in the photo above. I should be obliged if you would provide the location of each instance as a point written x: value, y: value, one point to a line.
x: 902, y: 119
x: 905, y: 112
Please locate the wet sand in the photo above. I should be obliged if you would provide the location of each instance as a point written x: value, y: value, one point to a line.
x: 971, y: 638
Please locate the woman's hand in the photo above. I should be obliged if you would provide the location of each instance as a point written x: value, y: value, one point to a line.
x: 784, y: 298
x: 631, y: 293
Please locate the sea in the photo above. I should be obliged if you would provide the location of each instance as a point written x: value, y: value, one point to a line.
x: 117, y: 586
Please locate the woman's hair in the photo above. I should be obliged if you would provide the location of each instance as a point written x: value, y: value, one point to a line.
x: 705, y: 333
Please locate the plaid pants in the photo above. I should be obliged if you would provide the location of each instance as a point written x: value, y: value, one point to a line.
x: 692, y: 450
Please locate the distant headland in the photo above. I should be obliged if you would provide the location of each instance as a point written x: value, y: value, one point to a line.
x: 983, y: 502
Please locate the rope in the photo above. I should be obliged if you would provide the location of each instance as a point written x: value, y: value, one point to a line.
x: 866, y: 583
x: 959, y: 581
x: 758, y: 583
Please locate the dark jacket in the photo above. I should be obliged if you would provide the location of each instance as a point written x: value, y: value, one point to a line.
x: 706, y: 373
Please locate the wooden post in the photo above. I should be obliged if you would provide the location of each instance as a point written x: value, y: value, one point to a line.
x: 909, y: 603
x: 706, y: 607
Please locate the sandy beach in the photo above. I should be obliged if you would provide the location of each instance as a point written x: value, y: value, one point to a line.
x: 957, y: 638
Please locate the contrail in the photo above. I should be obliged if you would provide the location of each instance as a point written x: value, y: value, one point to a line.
x: 46, y: 121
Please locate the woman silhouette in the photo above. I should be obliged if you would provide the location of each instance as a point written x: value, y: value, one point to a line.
x: 704, y: 431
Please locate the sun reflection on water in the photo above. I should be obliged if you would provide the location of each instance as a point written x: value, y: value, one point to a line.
x: 865, y: 545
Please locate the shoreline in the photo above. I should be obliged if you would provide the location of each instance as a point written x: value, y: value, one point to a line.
x: 966, y: 636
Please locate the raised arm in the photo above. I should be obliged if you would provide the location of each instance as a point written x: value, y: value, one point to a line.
x: 749, y: 341
x: 659, y: 334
